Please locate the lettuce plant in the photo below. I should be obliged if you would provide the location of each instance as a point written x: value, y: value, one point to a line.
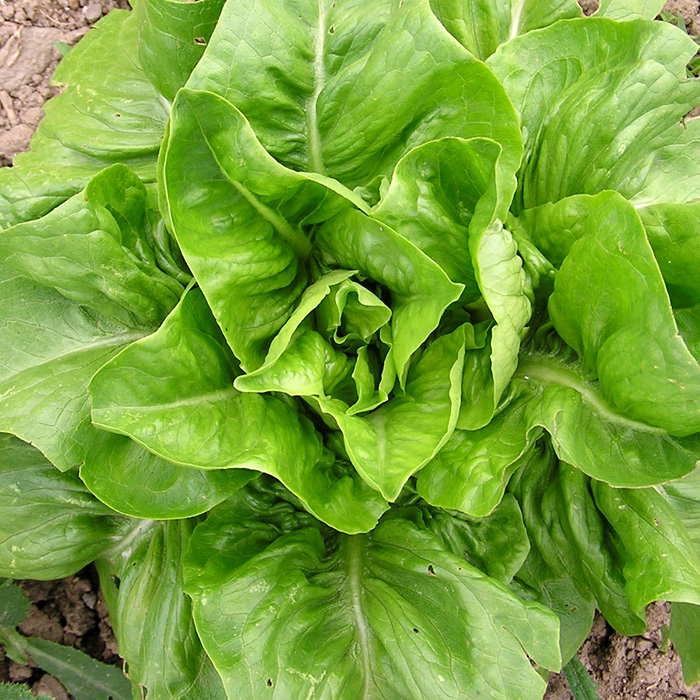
x: 358, y: 342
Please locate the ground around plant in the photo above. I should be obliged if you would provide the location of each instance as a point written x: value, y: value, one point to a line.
x: 72, y: 611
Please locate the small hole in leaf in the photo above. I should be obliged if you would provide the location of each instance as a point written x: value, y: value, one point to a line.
x: 431, y: 571
x: 200, y: 40
x: 331, y: 29
x: 116, y: 581
x: 415, y: 629
x: 269, y: 682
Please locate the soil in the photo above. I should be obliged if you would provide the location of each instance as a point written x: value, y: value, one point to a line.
x: 72, y: 611
x: 630, y: 668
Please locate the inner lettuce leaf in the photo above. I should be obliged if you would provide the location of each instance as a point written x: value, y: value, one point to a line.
x: 310, y: 612
x: 240, y: 220
x: 186, y: 410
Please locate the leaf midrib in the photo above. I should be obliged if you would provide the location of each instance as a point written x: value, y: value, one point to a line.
x: 355, y: 569
x: 319, y: 42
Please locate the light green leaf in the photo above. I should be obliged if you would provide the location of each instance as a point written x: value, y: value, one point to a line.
x: 449, y: 198
x: 481, y: 25
x: 51, y: 347
x: 629, y: 9
x: 108, y: 113
x: 472, y: 470
x: 352, y: 314
x: 630, y: 317
x: 239, y: 221
x: 420, y: 290
x: 300, y: 362
x: 152, y: 616
x: 674, y: 234
x: 601, y: 104
x: 432, y: 198
x: 172, y: 37
x: 384, y: 446
x: 299, y: 611
x: 83, y: 677
x: 50, y: 525
x: 133, y: 481
x: 338, y: 58
x: 92, y: 250
x: 173, y: 393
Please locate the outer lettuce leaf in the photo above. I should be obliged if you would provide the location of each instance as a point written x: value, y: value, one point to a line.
x: 305, y: 91
x: 629, y: 317
x: 93, y: 251
x: 625, y: 547
x: 173, y: 393
x: 239, y: 220
x: 51, y: 347
x: 472, y: 471
x: 152, y: 617
x: 50, y: 525
x: 172, y: 37
x: 481, y: 26
x: 629, y: 9
x: 133, y: 481
x: 569, y: 83
x: 108, y: 113
x: 293, y: 608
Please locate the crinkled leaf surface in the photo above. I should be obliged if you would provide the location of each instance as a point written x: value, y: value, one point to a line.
x: 384, y: 446
x: 626, y: 333
x: 50, y: 525
x: 92, y: 249
x: 173, y: 393
x: 624, y: 547
x: 420, y: 290
x: 307, y: 612
x: 601, y: 103
x: 237, y: 215
x: 50, y: 348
